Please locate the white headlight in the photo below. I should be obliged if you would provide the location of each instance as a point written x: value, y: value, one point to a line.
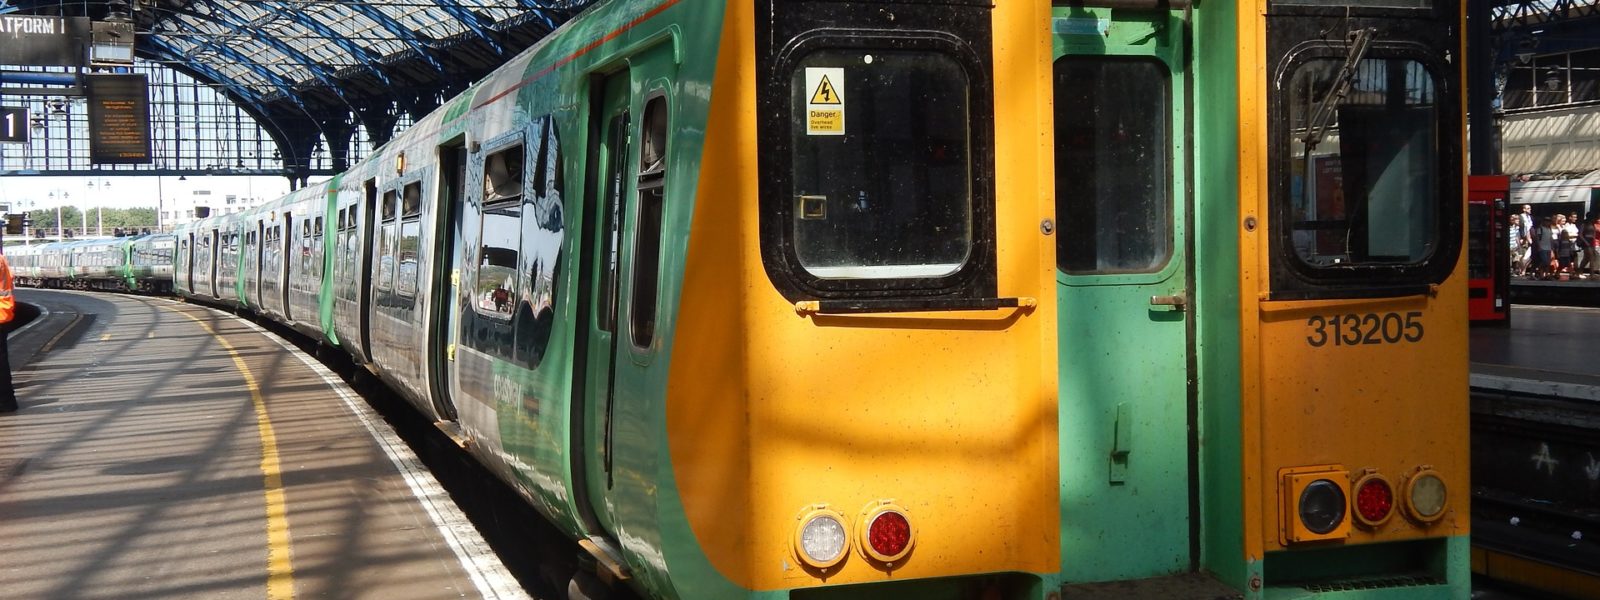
x: 823, y: 540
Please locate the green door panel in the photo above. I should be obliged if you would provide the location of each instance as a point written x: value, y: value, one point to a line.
x: 1123, y: 293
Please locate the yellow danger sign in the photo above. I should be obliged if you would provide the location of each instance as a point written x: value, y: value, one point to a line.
x: 825, y: 93
x: 825, y: 104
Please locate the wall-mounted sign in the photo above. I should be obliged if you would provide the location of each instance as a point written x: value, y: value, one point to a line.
x: 119, y: 119
x: 36, y: 40
x: 13, y: 124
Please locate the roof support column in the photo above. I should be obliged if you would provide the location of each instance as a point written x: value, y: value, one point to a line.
x: 379, y: 121
x: 338, y: 132
x: 1483, y: 64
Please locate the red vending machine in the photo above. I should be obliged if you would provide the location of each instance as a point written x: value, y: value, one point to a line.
x: 1488, y: 248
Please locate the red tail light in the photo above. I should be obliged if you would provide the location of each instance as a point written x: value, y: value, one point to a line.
x: 1374, y: 500
x: 889, y: 533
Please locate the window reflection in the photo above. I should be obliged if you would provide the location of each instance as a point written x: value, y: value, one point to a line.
x: 497, y: 263
x: 1364, y: 185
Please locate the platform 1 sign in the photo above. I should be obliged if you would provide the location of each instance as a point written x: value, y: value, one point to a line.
x: 14, y: 125
x: 41, y: 41
x: 119, y: 119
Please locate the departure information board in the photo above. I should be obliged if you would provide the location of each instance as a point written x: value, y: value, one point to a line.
x: 119, y: 119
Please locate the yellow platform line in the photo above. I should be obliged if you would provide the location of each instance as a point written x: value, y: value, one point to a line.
x: 1534, y: 575
x: 280, y: 568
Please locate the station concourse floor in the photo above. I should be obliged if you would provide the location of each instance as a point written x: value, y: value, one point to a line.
x: 167, y: 450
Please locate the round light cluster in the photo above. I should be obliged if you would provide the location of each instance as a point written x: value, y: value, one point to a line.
x: 889, y: 535
x: 822, y: 539
x: 1374, y: 500
x: 1427, y: 495
x: 1322, y: 506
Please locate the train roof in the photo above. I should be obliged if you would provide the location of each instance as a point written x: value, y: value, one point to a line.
x: 1555, y: 190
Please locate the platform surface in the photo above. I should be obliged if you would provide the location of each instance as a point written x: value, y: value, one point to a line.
x: 165, y: 450
x: 1555, y: 347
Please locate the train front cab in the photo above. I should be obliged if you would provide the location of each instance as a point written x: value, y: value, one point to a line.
x: 1353, y: 418
x: 860, y: 339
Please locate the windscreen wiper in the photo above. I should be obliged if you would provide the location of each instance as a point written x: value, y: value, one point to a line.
x: 1360, y: 41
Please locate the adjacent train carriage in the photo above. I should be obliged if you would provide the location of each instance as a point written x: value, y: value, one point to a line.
x: 1261, y: 298
x: 149, y: 263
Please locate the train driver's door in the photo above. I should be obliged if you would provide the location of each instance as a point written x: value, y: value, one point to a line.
x: 1123, y: 279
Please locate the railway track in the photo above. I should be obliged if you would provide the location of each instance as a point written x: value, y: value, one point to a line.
x: 1536, y: 491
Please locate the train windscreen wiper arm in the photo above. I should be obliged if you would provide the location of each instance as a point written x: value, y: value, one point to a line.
x: 1360, y: 41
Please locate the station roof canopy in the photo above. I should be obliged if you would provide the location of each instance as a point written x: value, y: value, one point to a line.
x: 323, y: 60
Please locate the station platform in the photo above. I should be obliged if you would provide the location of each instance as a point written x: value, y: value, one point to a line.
x: 165, y: 450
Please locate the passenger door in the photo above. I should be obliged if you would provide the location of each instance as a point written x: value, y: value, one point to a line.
x: 605, y: 188
x: 1123, y: 274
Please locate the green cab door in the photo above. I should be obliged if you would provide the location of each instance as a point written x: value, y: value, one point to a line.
x: 1123, y: 280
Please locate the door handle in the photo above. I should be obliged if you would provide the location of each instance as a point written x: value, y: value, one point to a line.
x: 1176, y: 301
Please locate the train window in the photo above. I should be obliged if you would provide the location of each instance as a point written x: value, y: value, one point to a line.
x: 411, y: 200
x: 502, y: 175
x: 647, y: 229
x: 501, y: 233
x: 1363, y: 164
x: 611, y: 228
x: 410, y: 241
x: 386, y: 241
x: 316, y: 228
x: 497, y: 258
x: 338, y: 222
x: 1113, y: 164
x: 882, y: 186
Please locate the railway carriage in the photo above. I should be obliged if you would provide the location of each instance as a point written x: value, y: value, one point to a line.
x: 545, y: 332
x: 25, y: 264
x: 1261, y: 297
x: 150, y: 260
x: 746, y: 296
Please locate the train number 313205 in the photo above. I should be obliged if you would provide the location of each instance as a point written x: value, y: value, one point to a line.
x: 1371, y: 328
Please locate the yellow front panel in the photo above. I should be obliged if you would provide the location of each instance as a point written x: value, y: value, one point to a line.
x: 1385, y: 402
x: 1368, y: 405
x: 951, y: 415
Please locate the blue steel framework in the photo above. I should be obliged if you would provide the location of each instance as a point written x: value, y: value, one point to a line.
x: 1525, y: 54
x: 194, y: 129
x: 324, y: 80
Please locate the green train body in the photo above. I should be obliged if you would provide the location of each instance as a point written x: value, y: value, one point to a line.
x: 125, y: 264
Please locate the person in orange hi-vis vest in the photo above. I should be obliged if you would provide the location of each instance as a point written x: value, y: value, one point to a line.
x: 8, y: 309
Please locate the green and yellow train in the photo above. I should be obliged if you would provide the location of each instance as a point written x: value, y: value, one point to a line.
x: 960, y: 299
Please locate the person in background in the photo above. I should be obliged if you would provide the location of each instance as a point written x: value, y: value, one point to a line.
x: 1580, y: 244
x: 1563, y: 244
x: 1518, y: 250
x: 8, y: 309
x: 1543, y: 243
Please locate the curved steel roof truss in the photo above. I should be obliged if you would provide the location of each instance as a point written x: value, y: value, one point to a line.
x: 306, y: 67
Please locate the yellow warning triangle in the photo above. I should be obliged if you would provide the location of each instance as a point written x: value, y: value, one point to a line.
x: 825, y: 93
